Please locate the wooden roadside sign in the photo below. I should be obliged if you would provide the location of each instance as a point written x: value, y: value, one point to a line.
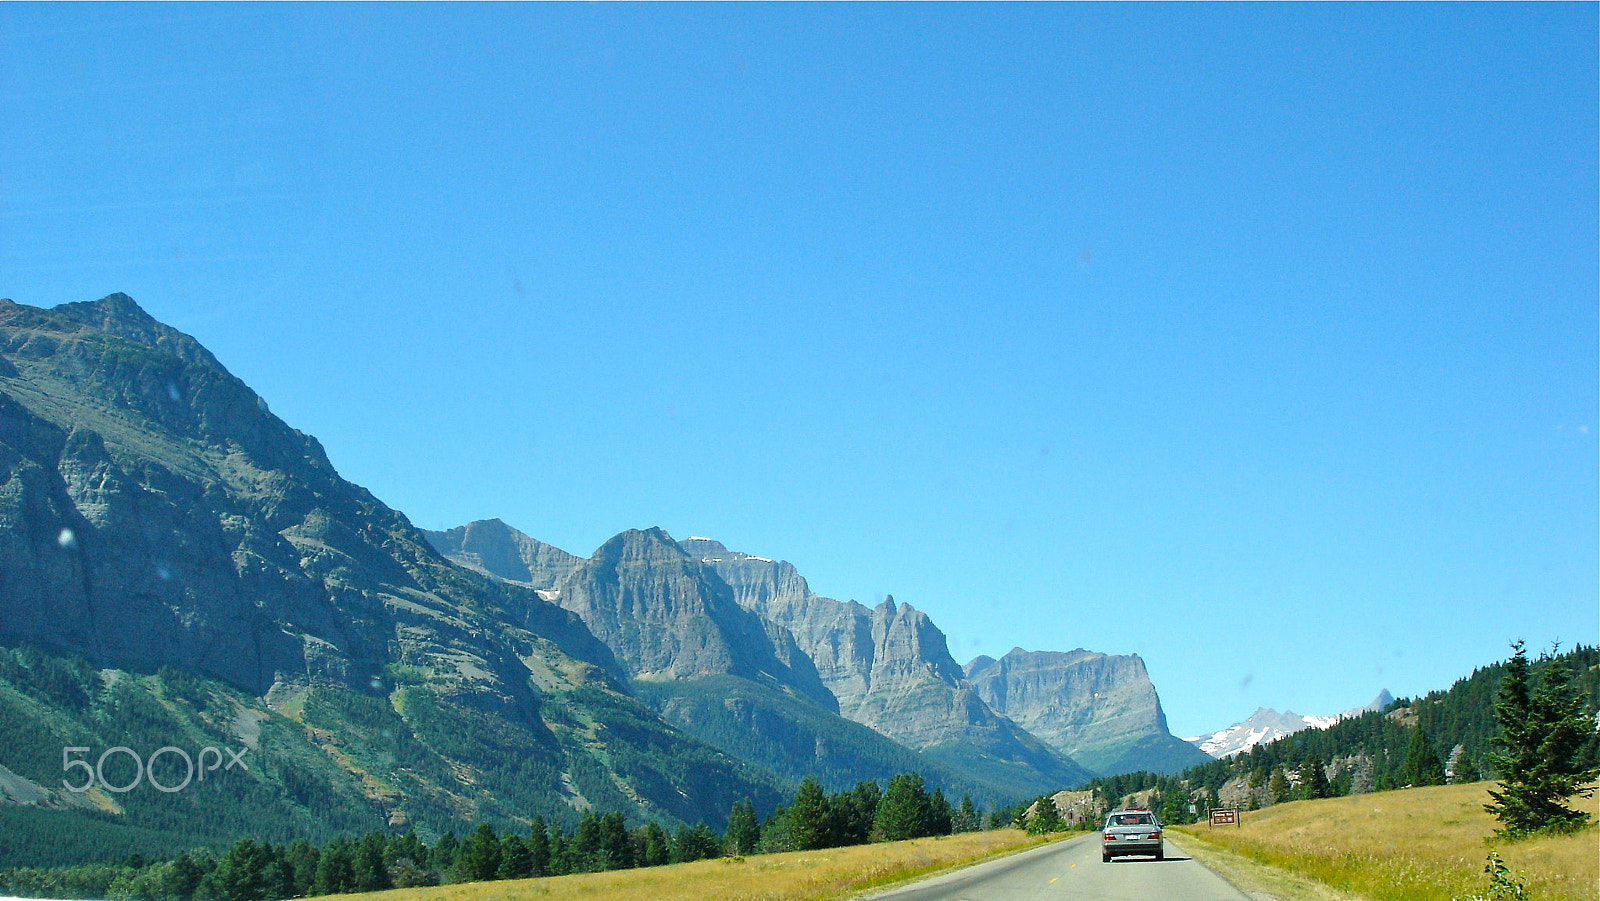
x: 1224, y: 816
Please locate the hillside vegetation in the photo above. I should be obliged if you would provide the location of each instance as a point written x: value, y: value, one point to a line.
x: 1419, y: 844
x: 795, y: 876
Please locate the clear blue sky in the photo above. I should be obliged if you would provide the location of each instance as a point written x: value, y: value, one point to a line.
x: 1258, y: 340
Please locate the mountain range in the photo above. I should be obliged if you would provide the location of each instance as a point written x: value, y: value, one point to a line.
x: 176, y: 561
x: 1267, y: 725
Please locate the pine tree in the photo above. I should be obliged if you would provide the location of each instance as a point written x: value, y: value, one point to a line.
x: 444, y: 854
x: 584, y: 850
x: 367, y: 865
x: 302, y: 858
x: 941, y: 818
x: 539, y: 847
x: 516, y: 861
x: 1043, y: 817
x: 743, y: 832
x: 1421, y: 766
x: 615, y: 844
x: 1544, y: 733
x: 1313, y: 779
x: 658, y: 848
x: 904, y: 811
x: 335, y: 869
x: 480, y: 855
x: 239, y: 876
x: 967, y: 818
x: 1278, y: 786
x: 808, y: 816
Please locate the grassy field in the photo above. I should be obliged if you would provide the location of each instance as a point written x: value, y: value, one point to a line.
x: 796, y: 876
x: 1420, y: 844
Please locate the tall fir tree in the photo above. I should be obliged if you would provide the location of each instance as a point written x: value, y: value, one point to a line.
x: 743, y: 831
x: 480, y: 855
x: 905, y: 811
x: 1542, y: 755
x: 808, y: 816
x: 539, y: 847
x: 1421, y: 765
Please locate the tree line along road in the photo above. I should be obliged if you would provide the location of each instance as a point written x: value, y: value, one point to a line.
x: 1072, y: 869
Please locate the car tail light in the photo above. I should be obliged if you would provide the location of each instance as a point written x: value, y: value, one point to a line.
x: 1155, y: 835
x: 1110, y: 837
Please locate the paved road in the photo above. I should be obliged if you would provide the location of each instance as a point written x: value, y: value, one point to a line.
x: 1069, y: 870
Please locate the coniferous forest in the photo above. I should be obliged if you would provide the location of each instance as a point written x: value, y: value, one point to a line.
x: 1443, y: 736
x: 252, y: 870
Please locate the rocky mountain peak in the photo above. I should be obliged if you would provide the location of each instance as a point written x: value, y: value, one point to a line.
x: 496, y: 549
x: 119, y: 316
x: 1099, y: 709
x: 667, y: 615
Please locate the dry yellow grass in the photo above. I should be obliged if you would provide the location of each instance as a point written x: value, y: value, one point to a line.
x: 1420, y: 844
x: 796, y: 876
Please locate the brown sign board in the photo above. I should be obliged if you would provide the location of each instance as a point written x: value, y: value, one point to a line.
x: 1224, y: 817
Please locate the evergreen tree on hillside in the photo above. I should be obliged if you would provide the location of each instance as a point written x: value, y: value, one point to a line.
x: 1043, y: 817
x: 743, y: 832
x: 1542, y: 752
x: 905, y: 811
x: 1278, y: 786
x: 539, y: 847
x: 967, y: 818
x: 480, y: 855
x: 657, y: 848
x: 335, y: 868
x: 516, y: 861
x: 808, y: 816
x: 1421, y: 766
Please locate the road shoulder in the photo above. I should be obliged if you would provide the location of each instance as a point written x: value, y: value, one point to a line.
x: 1257, y: 880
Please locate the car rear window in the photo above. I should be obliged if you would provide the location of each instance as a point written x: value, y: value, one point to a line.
x: 1131, y: 819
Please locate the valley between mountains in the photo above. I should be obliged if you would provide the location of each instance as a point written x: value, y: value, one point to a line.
x: 179, y: 567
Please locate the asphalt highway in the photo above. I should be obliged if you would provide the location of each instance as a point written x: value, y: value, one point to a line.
x: 1069, y: 870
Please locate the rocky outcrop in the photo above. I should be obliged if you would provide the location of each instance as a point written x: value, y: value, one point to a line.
x: 153, y: 512
x: 666, y: 615
x: 1099, y: 709
x: 491, y: 547
x: 890, y: 668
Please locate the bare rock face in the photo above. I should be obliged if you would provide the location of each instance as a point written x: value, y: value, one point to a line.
x: 494, y: 548
x: 1100, y: 709
x: 666, y: 615
x: 154, y: 513
x: 891, y: 669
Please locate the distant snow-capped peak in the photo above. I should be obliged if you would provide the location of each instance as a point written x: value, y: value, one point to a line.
x: 1266, y: 725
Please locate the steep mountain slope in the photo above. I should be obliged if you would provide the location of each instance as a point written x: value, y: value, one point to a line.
x: 1099, y: 709
x: 1268, y: 725
x: 153, y: 514
x: 889, y: 667
x: 494, y: 548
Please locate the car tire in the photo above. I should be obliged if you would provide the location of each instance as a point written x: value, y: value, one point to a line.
x: 1162, y: 854
x: 1105, y: 858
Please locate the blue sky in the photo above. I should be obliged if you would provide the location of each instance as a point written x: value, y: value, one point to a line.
x: 1258, y: 340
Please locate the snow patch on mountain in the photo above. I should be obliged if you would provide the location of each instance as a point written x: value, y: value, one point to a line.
x: 1267, y: 725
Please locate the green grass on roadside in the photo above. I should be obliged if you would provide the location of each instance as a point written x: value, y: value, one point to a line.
x: 1420, y: 844
x: 824, y: 875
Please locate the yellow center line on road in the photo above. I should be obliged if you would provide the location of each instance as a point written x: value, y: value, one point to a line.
x: 1052, y: 880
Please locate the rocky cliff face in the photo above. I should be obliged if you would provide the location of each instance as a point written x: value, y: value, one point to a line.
x: 666, y: 615
x: 1100, y: 709
x: 154, y: 513
x: 890, y: 669
x: 491, y: 547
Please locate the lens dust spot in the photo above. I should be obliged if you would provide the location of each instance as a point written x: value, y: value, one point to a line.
x: 67, y: 539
